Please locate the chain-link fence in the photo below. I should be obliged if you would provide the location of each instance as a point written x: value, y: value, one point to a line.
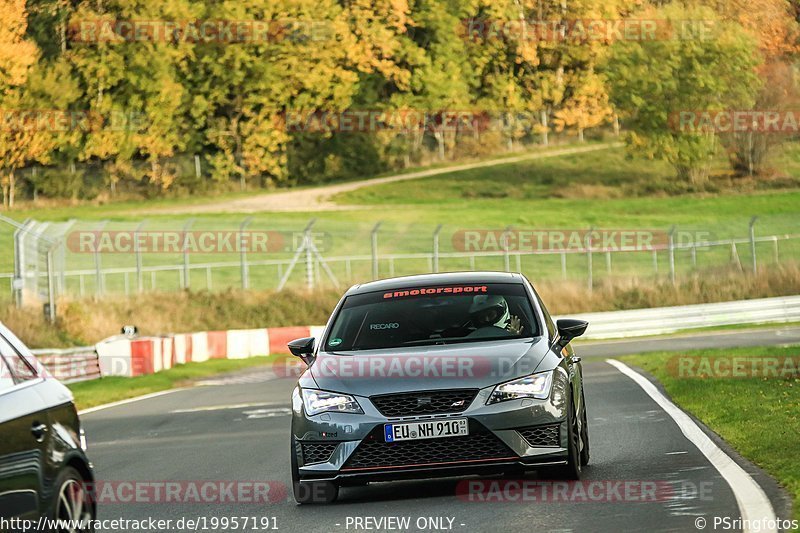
x: 81, y: 258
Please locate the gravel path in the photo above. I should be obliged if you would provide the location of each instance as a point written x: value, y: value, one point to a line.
x: 319, y: 198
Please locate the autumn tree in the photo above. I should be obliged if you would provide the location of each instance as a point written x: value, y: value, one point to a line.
x: 132, y: 84
x: 243, y: 94
x: 439, y: 88
x: 773, y: 25
x: 21, y: 138
x: 653, y: 81
x: 586, y: 105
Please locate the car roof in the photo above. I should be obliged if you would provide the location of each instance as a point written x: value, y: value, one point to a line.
x: 446, y: 278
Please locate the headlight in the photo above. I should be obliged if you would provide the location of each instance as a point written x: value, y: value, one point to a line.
x: 535, y: 386
x: 317, y: 401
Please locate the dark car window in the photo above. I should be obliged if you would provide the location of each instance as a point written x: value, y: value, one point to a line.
x: 20, y: 369
x: 432, y: 315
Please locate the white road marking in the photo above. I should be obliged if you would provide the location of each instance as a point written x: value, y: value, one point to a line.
x: 675, y: 453
x: 226, y: 407
x: 268, y: 413
x: 244, y: 379
x: 129, y: 400
x: 754, y: 505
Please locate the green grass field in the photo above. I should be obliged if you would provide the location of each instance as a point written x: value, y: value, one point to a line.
x: 758, y: 416
x: 112, y: 389
x: 602, y: 189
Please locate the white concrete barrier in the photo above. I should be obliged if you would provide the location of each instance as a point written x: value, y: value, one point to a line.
x: 662, y: 320
x: 124, y: 356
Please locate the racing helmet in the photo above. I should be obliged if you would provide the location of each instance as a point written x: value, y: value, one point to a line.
x: 489, y: 310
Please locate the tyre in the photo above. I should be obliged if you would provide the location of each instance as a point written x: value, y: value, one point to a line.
x: 72, y: 503
x: 571, y: 470
x: 306, y: 492
x: 584, y: 432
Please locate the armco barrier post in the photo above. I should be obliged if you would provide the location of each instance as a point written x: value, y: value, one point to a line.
x: 305, y: 246
x: 51, y: 298
x: 436, y: 248
x: 245, y: 266
x: 672, y: 254
x: 138, y: 252
x: 506, y: 249
x: 186, y: 228
x: 98, y: 288
x: 374, y: 238
x: 588, y: 243
x: 309, y: 261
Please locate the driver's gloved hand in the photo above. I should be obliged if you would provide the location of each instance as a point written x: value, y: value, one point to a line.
x: 514, y: 325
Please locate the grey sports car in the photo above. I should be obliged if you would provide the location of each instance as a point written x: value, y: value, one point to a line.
x: 437, y: 375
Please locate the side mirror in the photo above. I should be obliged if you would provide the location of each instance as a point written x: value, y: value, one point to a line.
x: 303, y: 348
x: 569, y: 328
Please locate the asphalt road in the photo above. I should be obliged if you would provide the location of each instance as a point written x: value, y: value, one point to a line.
x: 237, y: 428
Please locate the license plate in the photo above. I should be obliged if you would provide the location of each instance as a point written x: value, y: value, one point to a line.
x: 434, y: 429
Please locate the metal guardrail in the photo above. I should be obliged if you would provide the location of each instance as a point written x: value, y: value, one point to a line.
x: 71, y: 364
x: 80, y: 364
x: 662, y: 320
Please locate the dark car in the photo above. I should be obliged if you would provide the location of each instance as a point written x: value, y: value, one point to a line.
x: 437, y: 375
x: 44, y: 471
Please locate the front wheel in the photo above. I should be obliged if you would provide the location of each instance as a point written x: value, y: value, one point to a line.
x: 584, y: 433
x: 572, y: 470
x: 73, y: 507
x: 306, y: 492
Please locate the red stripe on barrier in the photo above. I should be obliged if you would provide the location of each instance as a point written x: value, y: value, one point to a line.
x: 217, y: 344
x: 173, y: 352
x: 280, y: 337
x: 188, y: 346
x: 141, y: 357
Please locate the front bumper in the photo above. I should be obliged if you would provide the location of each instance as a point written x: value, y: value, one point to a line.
x: 514, y: 434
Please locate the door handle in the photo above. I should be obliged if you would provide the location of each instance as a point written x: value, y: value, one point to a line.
x: 38, y: 430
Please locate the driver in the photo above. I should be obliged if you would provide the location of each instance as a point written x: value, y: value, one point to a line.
x: 490, y: 310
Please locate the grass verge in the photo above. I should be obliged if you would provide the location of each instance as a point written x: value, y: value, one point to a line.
x: 758, y: 416
x: 112, y: 389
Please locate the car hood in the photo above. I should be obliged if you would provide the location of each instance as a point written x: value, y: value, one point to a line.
x: 466, y: 365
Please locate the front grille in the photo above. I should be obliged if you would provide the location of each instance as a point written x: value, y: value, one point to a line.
x: 541, y: 435
x: 317, y: 452
x: 424, y: 403
x: 373, y: 452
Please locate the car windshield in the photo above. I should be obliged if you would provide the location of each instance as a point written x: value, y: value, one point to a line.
x: 432, y: 315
